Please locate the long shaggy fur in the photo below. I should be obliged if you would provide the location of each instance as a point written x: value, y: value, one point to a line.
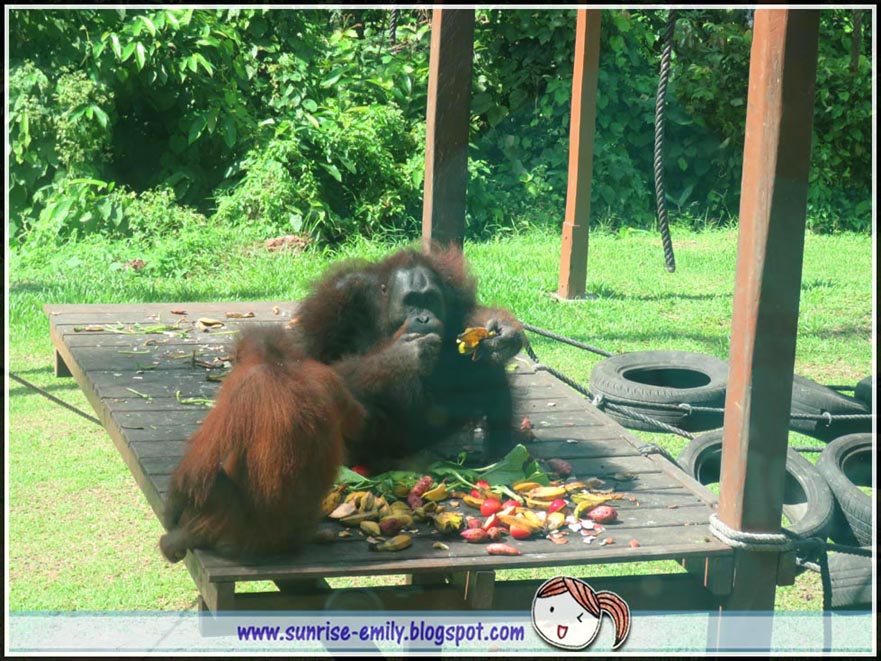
x: 253, y: 476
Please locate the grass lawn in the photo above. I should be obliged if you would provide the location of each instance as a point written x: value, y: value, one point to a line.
x: 81, y: 535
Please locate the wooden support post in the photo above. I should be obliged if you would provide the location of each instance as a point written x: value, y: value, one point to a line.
x: 61, y: 369
x: 447, y: 124
x: 776, y: 159
x: 573, y: 261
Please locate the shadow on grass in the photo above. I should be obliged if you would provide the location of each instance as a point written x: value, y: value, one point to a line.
x: 603, y: 291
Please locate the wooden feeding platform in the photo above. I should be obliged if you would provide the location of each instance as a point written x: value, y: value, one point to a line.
x: 141, y: 376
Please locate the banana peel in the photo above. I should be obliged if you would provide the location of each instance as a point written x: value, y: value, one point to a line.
x: 436, y: 494
x: 449, y: 522
x: 396, y: 543
x: 332, y: 500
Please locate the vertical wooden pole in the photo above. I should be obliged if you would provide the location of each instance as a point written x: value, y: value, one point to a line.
x: 776, y: 159
x: 447, y: 123
x: 573, y: 261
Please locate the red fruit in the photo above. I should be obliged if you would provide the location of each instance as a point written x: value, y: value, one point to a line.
x: 475, y: 493
x: 474, y: 535
x: 510, y: 503
x: 490, y: 506
x: 495, y: 534
x: 556, y: 505
x: 520, y: 532
x: 472, y: 522
x: 482, y: 484
x: 602, y: 514
x: 361, y: 470
x: 492, y: 521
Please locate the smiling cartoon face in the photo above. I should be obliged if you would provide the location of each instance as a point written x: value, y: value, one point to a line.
x: 563, y: 622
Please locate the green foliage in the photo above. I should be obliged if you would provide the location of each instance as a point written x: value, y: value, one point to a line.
x: 310, y: 121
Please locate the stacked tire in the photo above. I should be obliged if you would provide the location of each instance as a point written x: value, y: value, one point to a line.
x: 665, y: 385
x: 807, y: 500
x: 846, y: 464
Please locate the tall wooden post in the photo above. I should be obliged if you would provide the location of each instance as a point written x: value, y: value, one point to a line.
x: 573, y: 260
x: 447, y: 123
x: 776, y: 159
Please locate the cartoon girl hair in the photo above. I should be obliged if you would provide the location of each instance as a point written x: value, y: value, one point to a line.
x: 593, y: 602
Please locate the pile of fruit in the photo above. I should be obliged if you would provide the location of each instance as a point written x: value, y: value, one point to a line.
x: 525, y: 509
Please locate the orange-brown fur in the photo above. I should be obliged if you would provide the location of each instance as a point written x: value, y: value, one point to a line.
x: 253, y: 476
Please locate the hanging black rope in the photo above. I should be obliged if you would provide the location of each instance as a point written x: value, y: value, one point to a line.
x: 393, y: 27
x: 663, y: 77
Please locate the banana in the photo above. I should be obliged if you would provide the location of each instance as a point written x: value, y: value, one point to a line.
x: 511, y: 520
x: 394, y: 544
x: 546, y: 493
x: 370, y: 528
x: 472, y: 501
x: 438, y: 493
x: 357, y: 518
x: 356, y: 496
x: 522, y: 487
x: 555, y: 520
x: 538, y: 504
x: 533, y: 518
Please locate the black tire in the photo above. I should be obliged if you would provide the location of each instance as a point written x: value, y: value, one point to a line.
x: 813, y: 398
x: 846, y: 464
x: 851, y: 579
x: 865, y: 390
x: 642, y: 379
x: 807, y: 500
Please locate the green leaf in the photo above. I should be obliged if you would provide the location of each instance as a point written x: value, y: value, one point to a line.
x: 172, y: 19
x: 127, y: 51
x: 196, y: 129
x: 114, y: 44
x: 149, y: 25
x: 140, y: 55
x: 229, y: 132
x: 200, y: 59
x: 333, y: 170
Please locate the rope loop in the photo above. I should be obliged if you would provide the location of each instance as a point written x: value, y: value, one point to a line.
x: 750, y: 541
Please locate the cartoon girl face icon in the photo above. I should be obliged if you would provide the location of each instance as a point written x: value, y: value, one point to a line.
x: 567, y: 613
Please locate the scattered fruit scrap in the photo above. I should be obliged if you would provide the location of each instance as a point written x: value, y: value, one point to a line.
x: 514, y: 498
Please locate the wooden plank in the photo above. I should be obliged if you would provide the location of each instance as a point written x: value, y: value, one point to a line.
x: 653, y: 528
x: 111, y: 311
x: 573, y: 260
x: 665, y: 592
x: 657, y: 592
x: 447, y: 125
x: 116, y: 433
x: 764, y: 323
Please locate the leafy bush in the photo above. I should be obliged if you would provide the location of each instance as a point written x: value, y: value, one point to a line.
x: 311, y: 121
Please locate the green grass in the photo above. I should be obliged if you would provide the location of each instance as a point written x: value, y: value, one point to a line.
x: 81, y: 535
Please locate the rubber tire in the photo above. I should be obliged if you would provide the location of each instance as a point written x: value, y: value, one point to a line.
x: 845, y: 463
x: 611, y: 378
x: 811, y: 397
x: 865, y: 391
x: 702, y: 459
x: 851, y: 578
